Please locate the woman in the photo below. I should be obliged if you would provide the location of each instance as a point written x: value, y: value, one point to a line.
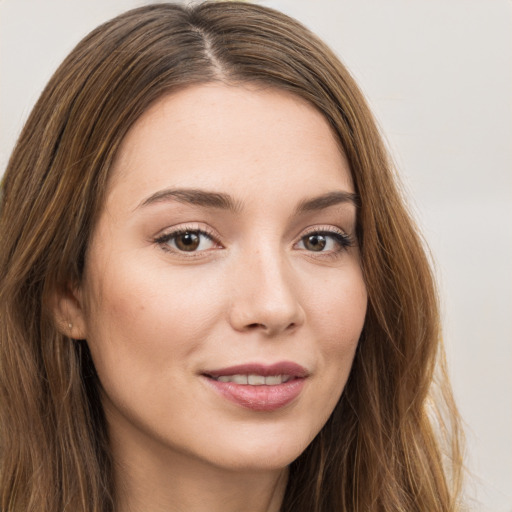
x: 212, y: 296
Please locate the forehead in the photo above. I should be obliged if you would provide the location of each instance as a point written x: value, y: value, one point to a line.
x: 242, y: 138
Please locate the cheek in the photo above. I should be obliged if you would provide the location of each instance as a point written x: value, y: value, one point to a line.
x: 336, y: 313
x: 143, y: 323
x: 337, y: 319
x: 339, y: 307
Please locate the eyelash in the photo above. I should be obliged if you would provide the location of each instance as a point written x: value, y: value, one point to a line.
x: 164, y: 240
x: 341, y: 239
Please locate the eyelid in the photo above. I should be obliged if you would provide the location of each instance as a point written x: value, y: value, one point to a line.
x: 167, y: 234
x: 344, y: 240
x: 328, y: 228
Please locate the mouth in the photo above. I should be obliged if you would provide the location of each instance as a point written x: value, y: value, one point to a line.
x: 254, y: 379
x: 259, y: 387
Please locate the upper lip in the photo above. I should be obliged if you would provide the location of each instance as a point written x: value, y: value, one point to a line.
x: 280, y: 368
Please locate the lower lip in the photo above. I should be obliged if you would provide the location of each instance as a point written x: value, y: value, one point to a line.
x: 259, y: 398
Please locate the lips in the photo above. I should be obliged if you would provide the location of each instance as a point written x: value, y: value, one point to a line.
x: 259, y: 387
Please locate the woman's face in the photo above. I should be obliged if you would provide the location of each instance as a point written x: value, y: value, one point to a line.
x: 223, y: 297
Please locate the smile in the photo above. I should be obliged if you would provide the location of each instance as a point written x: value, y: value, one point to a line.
x: 254, y: 379
x: 263, y: 388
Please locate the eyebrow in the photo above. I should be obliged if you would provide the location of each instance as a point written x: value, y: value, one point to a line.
x: 207, y: 199
x: 194, y: 197
x: 326, y: 200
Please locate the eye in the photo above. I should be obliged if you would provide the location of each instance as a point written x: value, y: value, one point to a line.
x: 325, y: 241
x: 187, y: 240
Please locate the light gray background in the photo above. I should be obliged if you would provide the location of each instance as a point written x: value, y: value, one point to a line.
x: 438, y: 75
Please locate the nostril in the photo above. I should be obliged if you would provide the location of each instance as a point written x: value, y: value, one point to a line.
x: 255, y: 325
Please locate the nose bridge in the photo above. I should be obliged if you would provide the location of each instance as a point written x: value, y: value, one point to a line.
x: 265, y: 294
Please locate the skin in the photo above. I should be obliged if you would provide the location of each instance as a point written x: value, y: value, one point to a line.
x: 156, y: 317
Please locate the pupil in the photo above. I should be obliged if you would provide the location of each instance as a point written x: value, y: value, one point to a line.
x: 187, y: 241
x: 315, y: 242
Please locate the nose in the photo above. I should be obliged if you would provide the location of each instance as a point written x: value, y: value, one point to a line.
x: 265, y: 296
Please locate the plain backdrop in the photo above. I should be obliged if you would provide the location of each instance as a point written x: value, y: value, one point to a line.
x: 438, y: 75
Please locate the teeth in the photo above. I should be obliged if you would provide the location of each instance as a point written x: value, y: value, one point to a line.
x: 254, y: 380
x: 239, y: 379
x: 274, y: 379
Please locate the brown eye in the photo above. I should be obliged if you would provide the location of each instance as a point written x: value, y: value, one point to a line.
x: 325, y: 242
x: 315, y: 242
x: 188, y: 241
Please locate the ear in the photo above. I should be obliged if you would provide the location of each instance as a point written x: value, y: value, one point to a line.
x: 67, y: 306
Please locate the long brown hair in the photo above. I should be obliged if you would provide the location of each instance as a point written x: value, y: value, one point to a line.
x: 385, y: 447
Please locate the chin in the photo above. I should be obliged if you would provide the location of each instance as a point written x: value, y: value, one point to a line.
x: 263, y: 454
